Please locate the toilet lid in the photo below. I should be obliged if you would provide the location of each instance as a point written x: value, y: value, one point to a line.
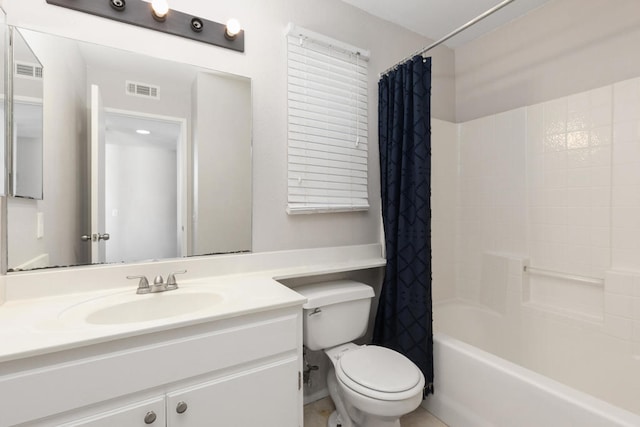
x: 378, y: 369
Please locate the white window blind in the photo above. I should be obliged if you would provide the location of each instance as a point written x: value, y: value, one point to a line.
x: 327, y: 129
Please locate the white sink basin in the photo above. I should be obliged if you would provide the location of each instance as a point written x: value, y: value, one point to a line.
x: 132, y: 308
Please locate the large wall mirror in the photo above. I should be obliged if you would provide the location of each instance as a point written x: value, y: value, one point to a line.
x: 142, y: 158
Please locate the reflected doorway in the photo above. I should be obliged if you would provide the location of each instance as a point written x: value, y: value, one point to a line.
x: 145, y: 186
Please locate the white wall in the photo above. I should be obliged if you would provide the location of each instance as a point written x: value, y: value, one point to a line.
x: 175, y: 95
x: 264, y: 61
x: 561, y: 48
x: 222, y: 141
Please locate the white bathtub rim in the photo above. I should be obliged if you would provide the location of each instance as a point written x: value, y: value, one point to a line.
x: 578, y: 398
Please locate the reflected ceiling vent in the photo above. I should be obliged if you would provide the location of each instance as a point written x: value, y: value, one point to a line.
x: 27, y: 70
x: 142, y: 89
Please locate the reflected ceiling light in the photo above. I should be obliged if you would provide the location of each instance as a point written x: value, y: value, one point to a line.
x: 143, y: 131
x: 159, y: 10
x: 233, y: 29
x: 136, y: 12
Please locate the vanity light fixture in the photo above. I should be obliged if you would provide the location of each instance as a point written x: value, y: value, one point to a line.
x: 159, y: 10
x: 233, y: 29
x: 143, y: 131
x: 157, y: 16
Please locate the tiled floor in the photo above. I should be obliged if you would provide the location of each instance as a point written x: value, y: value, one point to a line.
x: 317, y: 413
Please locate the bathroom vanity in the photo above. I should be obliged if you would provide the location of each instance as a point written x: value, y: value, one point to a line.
x: 236, y: 365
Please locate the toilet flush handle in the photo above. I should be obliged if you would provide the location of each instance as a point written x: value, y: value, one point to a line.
x: 315, y: 311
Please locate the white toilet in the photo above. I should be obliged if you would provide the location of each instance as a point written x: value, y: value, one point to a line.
x: 371, y: 386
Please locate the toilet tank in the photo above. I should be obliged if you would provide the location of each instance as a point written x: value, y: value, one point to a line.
x: 335, y: 313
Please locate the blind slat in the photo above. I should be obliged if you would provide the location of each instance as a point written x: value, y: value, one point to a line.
x: 317, y: 185
x: 314, y: 116
x: 323, y: 148
x: 296, y: 170
x: 307, y: 108
x: 327, y: 84
x: 312, y: 178
x: 339, y: 166
x: 328, y: 96
x: 358, y: 110
x: 320, y: 125
x: 299, y: 136
x: 306, y: 157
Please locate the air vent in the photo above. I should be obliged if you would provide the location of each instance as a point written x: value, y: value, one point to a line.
x: 142, y: 89
x: 27, y: 70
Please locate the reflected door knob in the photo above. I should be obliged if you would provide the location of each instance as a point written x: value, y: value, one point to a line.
x: 96, y: 237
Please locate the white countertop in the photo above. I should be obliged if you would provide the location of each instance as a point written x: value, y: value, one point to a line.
x: 38, y: 326
x: 32, y: 325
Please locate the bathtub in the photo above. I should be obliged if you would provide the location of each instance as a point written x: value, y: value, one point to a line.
x: 476, y: 387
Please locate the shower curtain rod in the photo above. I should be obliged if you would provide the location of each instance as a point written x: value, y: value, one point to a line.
x: 451, y: 34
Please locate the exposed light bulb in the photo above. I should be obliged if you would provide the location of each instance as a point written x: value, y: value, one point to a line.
x: 160, y: 9
x: 233, y: 28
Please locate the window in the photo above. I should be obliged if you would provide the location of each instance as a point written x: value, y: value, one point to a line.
x: 327, y: 129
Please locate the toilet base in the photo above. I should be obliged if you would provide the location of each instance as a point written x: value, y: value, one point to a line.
x: 333, y: 420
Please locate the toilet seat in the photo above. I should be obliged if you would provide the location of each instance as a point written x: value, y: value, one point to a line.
x: 379, y: 373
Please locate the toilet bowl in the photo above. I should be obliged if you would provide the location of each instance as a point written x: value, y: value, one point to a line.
x: 376, y: 385
x: 371, y: 386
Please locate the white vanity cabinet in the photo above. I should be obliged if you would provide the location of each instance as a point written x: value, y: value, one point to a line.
x: 240, y: 399
x: 242, y: 371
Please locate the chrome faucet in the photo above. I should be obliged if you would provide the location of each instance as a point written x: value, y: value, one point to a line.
x: 158, y: 283
x: 171, y: 280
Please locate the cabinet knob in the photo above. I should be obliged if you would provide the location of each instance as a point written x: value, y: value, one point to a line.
x: 150, y: 417
x: 181, y: 408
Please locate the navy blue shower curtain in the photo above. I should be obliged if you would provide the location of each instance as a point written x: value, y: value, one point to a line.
x: 404, y: 318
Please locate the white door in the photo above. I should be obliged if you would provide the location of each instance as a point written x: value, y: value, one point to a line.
x: 97, y: 128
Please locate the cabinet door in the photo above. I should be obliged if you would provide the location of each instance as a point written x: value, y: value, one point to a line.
x: 266, y: 396
x: 144, y: 413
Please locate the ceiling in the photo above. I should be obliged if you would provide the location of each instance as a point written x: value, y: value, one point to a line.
x: 436, y: 18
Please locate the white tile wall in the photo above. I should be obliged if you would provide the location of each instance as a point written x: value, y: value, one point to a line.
x: 625, y: 203
x: 621, y: 315
x: 557, y: 183
x: 492, y: 197
x: 569, y: 177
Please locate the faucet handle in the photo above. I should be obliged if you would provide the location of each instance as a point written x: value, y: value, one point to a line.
x: 171, y: 279
x: 143, y: 285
